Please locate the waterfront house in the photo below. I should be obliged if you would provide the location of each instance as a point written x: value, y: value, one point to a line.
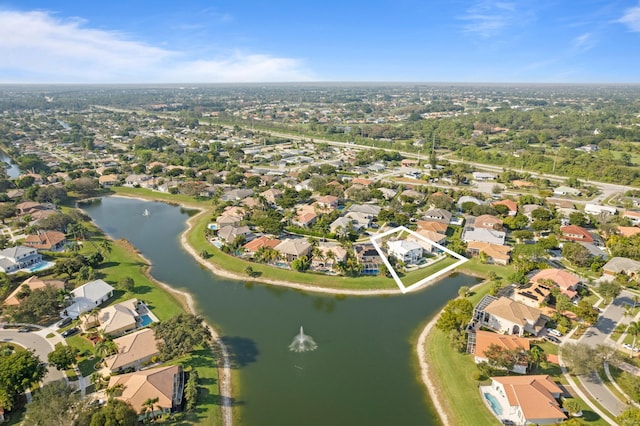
x: 12, y: 259
x: 527, y: 399
x: 368, y: 257
x: 87, y: 297
x: 510, y: 317
x: 133, y: 350
x: 406, y: 251
x: 164, y: 383
x: 46, y: 240
x: 114, y: 320
x: 228, y: 234
x: 293, y: 248
x: 485, y: 339
x: 263, y: 241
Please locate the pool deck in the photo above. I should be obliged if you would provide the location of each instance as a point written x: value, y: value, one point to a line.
x: 507, y: 413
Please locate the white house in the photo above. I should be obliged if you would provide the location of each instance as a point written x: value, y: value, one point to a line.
x: 409, y: 252
x: 13, y: 259
x: 596, y: 209
x: 510, y: 317
x: 87, y: 297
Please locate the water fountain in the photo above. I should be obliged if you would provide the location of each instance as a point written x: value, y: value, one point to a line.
x: 302, y: 343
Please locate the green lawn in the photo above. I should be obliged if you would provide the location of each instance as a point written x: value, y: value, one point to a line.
x: 208, y: 409
x: 452, y: 373
x: 413, y: 277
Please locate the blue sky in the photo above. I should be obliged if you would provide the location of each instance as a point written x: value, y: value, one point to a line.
x: 197, y: 41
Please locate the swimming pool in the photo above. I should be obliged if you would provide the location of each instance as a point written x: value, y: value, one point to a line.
x: 145, y: 320
x: 493, y: 402
x: 40, y: 266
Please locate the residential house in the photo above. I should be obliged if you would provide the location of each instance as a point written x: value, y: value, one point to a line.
x: 12, y: 259
x: 576, y: 233
x: 527, y: 399
x: 362, y: 182
x: 328, y: 202
x: 566, y: 281
x: 431, y: 237
x: 343, y: 223
x: 87, y: 297
x: 368, y: 257
x: 482, y: 176
x: 228, y: 234
x: 409, y: 162
x: 133, y: 351
x: 164, y: 383
x: 107, y: 181
x: 628, y: 231
x: 496, y: 254
x: 487, y: 221
x: 368, y: 209
x: 29, y: 207
x: 135, y: 180
x: 509, y: 204
x: 293, y: 248
x: 621, y: 265
x: 428, y: 225
x: 567, y: 191
x: 236, y: 194
x: 484, y: 235
x: 468, y: 199
x: 634, y: 216
x: 438, y: 215
x: 32, y: 283
x: 114, y: 320
x: 305, y: 218
x: 510, y: 317
x: 253, y: 246
x: 387, y: 193
x: 407, y: 251
x: 46, y: 240
x: 331, y: 254
x: 272, y: 195
x: 534, y: 294
x: 359, y: 220
x: 596, y: 209
x: 410, y: 194
x: 223, y: 221
x: 485, y: 339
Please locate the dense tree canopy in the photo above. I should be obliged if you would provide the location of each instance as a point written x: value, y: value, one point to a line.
x: 18, y: 371
x: 180, y: 334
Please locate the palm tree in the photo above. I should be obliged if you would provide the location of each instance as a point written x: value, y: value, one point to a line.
x: 537, y: 355
x: 106, y: 247
x: 148, y: 407
x: 634, y: 330
x: 114, y: 390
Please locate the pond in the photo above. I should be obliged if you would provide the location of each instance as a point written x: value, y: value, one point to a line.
x: 364, y: 370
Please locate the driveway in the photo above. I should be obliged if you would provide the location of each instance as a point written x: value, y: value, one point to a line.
x: 34, y: 340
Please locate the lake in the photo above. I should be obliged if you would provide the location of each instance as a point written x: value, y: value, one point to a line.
x: 364, y: 371
x: 12, y: 169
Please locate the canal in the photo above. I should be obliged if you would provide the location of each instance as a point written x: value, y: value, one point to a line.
x: 364, y: 369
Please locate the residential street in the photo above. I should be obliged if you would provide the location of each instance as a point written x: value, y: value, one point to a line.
x: 36, y: 341
x: 598, y: 334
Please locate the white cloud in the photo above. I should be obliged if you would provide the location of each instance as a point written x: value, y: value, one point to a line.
x: 631, y: 18
x: 488, y: 18
x: 584, y: 42
x: 38, y: 47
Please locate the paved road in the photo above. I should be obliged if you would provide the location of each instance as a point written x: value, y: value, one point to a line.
x: 34, y: 340
x: 597, y: 335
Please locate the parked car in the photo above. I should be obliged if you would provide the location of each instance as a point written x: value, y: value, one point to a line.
x: 24, y: 329
x: 554, y: 332
x: 64, y: 322
x: 70, y: 332
x: 552, y: 339
x: 631, y: 348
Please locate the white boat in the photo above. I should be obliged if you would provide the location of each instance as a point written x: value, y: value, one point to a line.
x: 146, y: 213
